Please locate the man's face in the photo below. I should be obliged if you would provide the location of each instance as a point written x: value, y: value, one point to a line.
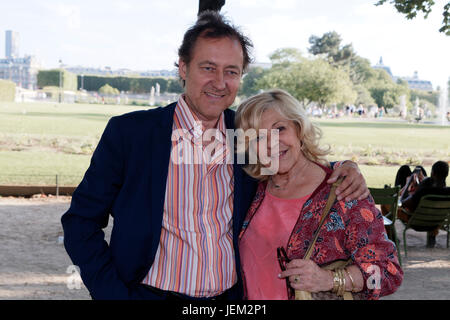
x: 212, y: 77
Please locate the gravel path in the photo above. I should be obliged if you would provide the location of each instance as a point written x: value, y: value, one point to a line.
x: 35, y: 265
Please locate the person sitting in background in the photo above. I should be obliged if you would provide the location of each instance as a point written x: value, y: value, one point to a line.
x: 435, y: 184
x: 409, y: 180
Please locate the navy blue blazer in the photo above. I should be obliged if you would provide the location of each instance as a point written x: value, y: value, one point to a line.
x: 127, y: 179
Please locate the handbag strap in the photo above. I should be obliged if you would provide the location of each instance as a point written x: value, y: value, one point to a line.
x: 324, y: 215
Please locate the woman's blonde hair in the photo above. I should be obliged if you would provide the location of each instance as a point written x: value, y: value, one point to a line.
x: 249, y: 113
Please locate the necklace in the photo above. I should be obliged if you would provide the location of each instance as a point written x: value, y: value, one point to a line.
x: 279, y: 186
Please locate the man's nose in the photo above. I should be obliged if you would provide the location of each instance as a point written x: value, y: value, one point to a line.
x: 219, y: 80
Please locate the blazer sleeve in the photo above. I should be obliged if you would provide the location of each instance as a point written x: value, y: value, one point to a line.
x: 88, y: 214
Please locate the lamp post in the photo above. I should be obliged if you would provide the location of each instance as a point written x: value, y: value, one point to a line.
x: 60, y: 81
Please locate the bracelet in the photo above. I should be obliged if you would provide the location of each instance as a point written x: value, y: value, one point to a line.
x: 341, y: 289
x: 351, y: 280
x: 339, y: 282
x: 335, y: 281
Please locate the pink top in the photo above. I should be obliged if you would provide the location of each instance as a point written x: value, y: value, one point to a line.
x: 269, y: 229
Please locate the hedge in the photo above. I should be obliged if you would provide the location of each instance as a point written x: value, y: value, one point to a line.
x: 7, y: 90
x: 129, y: 84
x: 46, y: 78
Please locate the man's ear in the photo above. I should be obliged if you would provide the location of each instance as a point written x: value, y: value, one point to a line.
x: 182, y: 68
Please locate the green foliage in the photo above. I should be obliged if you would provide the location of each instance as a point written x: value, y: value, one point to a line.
x: 329, y: 45
x: 174, y: 86
x: 431, y: 97
x: 384, y: 91
x: 130, y: 84
x: 108, y: 90
x: 410, y: 8
x: 46, y: 78
x: 363, y: 95
x: 7, y: 90
x: 308, y: 80
x: 249, y: 82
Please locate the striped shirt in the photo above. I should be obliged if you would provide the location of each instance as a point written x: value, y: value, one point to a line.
x: 195, y: 255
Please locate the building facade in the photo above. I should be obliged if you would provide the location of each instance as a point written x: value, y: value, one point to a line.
x: 11, y: 44
x: 21, y: 70
x: 413, y: 82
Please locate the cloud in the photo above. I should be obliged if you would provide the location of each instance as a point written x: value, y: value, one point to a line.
x: 70, y: 14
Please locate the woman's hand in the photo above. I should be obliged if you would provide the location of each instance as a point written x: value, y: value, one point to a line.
x: 354, y: 185
x: 306, y: 275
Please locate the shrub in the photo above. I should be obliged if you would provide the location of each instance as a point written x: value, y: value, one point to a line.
x: 7, y: 90
x: 108, y: 90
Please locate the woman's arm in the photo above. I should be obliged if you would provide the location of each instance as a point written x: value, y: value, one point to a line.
x: 371, y: 250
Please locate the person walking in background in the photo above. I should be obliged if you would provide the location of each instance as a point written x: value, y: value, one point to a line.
x: 288, y: 206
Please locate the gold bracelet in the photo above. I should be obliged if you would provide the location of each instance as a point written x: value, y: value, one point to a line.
x: 351, y: 280
x: 335, y: 281
x: 341, y: 289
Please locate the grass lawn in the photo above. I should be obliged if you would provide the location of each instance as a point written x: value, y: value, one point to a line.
x: 41, y: 140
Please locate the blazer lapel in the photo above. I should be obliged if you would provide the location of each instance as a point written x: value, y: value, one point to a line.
x: 160, y: 145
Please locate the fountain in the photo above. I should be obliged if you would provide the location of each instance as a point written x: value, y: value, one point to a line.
x: 443, y: 106
x: 152, y: 96
x: 403, y: 109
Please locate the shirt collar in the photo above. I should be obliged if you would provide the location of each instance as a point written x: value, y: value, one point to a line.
x: 191, y: 123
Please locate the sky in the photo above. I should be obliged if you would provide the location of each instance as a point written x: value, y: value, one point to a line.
x: 146, y: 34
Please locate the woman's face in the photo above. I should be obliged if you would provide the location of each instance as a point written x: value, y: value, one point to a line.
x: 287, y: 150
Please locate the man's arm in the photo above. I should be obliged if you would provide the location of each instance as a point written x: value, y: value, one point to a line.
x: 88, y: 215
x: 354, y: 185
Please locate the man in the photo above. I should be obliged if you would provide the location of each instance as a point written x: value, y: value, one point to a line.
x: 435, y: 184
x: 176, y: 225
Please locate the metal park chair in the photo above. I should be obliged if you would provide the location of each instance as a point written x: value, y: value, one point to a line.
x: 432, y: 212
x: 389, y: 196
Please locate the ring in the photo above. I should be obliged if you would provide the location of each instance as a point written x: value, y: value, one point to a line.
x: 296, y: 279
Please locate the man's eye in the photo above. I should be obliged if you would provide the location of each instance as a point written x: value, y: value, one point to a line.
x: 281, y: 128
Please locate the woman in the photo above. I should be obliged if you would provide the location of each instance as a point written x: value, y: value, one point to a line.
x: 287, y: 208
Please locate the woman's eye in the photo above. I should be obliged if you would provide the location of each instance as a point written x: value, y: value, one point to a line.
x: 281, y: 128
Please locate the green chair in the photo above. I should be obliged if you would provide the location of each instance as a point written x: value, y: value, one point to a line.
x: 389, y: 196
x: 433, y: 211
x: 446, y: 227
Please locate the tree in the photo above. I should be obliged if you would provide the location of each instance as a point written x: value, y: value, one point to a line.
x: 174, y: 86
x: 108, y: 90
x: 384, y: 91
x: 308, y: 80
x: 410, y: 8
x: 249, y: 82
x: 329, y: 45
